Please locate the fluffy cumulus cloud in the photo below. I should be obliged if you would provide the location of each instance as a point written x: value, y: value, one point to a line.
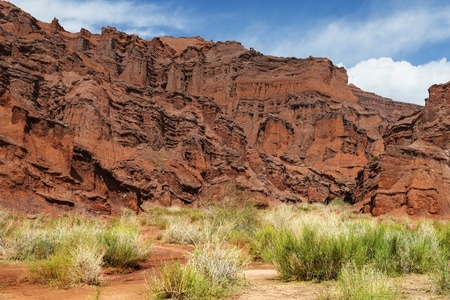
x: 144, y: 19
x: 399, y: 80
x: 365, y: 46
x: 350, y: 40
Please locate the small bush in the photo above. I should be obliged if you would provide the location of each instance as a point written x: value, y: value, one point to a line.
x: 211, y: 271
x: 182, y: 231
x: 161, y: 216
x: 122, y: 246
x: 54, y: 270
x: 418, y: 250
x: 237, y: 225
x: 31, y: 244
x: 81, y: 265
x: 219, y: 264
x: 316, y: 245
x: 442, y: 277
x: 86, y: 264
x: 178, y: 282
x: 365, y: 283
x: 443, y: 233
x: 306, y: 255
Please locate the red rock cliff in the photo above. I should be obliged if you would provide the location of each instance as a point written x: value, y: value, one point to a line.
x: 95, y: 122
x: 413, y: 175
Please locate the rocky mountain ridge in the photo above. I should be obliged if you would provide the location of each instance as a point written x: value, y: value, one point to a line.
x: 96, y: 122
x: 412, y: 176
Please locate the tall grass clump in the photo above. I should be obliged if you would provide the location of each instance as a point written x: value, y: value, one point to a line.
x: 79, y: 265
x: 72, y: 250
x: 77, y: 257
x: 419, y: 250
x: 399, y: 249
x: 443, y: 232
x: 178, y: 282
x: 6, y: 222
x: 367, y: 282
x: 32, y: 240
x: 161, y: 216
x: 305, y: 255
x: 211, y: 271
x: 86, y: 264
x: 441, y: 278
x: 304, y: 246
x: 236, y: 223
x: 182, y: 231
x: 218, y: 263
x: 315, y: 245
x: 54, y: 270
x: 123, y: 247
x: 31, y: 245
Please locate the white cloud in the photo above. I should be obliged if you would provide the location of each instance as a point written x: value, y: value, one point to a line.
x: 146, y: 20
x: 350, y: 40
x: 399, y: 80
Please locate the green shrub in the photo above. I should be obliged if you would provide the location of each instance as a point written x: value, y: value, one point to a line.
x: 419, y: 250
x: 237, y: 225
x: 54, y: 270
x: 315, y: 245
x: 306, y: 255
x: 80, y: 265
x: 123, y: 248
x: 443, y: 233
x: 178, y: 282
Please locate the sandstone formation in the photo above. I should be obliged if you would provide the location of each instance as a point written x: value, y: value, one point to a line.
x: 96, y: 122
x: 413, y: 175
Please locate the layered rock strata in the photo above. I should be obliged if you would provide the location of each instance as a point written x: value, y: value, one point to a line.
x: 413, y: 175
x: 97, y: 122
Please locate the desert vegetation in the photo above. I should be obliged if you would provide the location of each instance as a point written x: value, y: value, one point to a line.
x: 359, y: 257
x: 72, y: 250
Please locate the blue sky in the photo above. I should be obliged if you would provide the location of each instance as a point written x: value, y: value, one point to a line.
x: 395, y: 48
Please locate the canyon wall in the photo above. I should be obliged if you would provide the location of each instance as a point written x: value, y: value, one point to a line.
x: 413, y: 175
x: 93, y: 123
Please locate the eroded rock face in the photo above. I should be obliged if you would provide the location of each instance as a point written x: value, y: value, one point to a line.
x: 413, y: 175
x: 97, y: 122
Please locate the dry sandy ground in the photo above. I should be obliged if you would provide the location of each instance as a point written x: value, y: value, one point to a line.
x: 266, y: 285
x: 263, y: 283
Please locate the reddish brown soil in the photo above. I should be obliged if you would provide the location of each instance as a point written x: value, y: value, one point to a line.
x: 263, y: 281
x: 15, y: 285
